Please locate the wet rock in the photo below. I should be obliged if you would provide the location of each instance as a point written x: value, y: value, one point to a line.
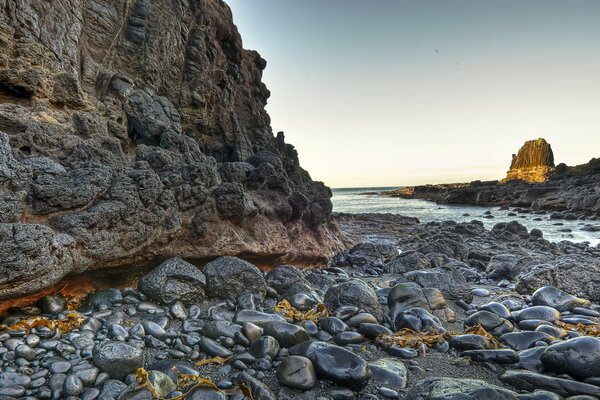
x: 354, y: 293
x: 265, y: 346
x: 389, y: 371
x: 297, y: 372
x: 448, y: 280
x: 52, y: 304
x: 371, y: 331
x: 557, y: 299
x: 25, y: 352
x: 14, y: 379
x: 578, y: 357
x: 301, y: 296
x: 506, y: 266
x: 406, y: 262
x: 117, y: 358
x: 418, y: 320
x: 256, y: 317
x: 459, y: 389
x: 543, y: 313
x: 72, y: 385
x: 498, y: 356
x: 283, y: 277
x: 527, y: 380
x: 118, y: 332
x: 228, y: 277
x: 524, y: 340
x: 174, y: 280
x: 216, y: 329
x: 333, y: 325
x: 213, y: 348
x: 469, y: 342
x: 162, y: 383
x: 490, y: 322
x: 578, y: 279
x: 367, y: 254
x: 335, y: 363
x: 259, y: 390
x: 287, y: 334
x: 497, y: 308
x: 345, y: 338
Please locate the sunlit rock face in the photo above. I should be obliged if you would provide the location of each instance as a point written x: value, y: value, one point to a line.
x: 533, y: 163
x: 134, y: 131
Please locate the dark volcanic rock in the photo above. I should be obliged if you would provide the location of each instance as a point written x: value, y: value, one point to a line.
x: 572, y: 277
x: 578, y: 357
x: 174, y: 280
x: 335, y: 363
x: 298, y: 372
x: 118, y: 359
x: 135, y: 132
x: 354, y: 293
x: 556, y: 298
x: 527, y: 380
x: 228, y: 277
x: 448, y: 280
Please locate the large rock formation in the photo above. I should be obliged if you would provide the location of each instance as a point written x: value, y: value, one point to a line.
x: 136, y: 130
x: 533, y: 163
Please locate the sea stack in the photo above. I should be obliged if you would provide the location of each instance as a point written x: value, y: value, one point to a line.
x: 533, y: 163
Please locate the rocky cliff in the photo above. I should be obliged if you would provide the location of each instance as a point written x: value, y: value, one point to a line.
x: 533, y: 163
x: 134, y: 130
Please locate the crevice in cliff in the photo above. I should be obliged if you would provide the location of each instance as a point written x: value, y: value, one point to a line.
x: 10, y: 93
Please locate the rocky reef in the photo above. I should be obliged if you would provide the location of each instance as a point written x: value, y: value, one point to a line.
x: 532, y: 183
x: 134, y: 131
x: 533, y: 163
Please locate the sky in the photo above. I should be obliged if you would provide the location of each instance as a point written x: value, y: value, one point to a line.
x: 392, y: 92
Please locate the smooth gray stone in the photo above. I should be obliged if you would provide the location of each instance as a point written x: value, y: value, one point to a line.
x: 335, y: 363
x: 117, y: 358
x: 72, y: 385
x: 578, y: 357
x: 298, y: 372
x: 213, y: 348
x: 389, y: 371
x: 499, y: 356
x: 527, y: 380
x: 287, y: 334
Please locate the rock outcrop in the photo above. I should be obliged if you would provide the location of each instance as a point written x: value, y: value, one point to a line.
x: 533, y: 163
x: 532, y: 182
x: 133, y: 131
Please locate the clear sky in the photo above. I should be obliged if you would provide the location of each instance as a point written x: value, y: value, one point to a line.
x: 391, y: 92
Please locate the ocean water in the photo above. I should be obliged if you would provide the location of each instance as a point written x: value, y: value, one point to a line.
x: 351, y: 201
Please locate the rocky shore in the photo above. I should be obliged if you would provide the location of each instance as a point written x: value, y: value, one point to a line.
x: 532, y: 183
x: 412, y: 311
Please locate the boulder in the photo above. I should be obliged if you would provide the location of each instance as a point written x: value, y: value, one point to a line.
x: 228, y: 277
x: 117, y: 358
x: 174, y: 280
x: 335, y: 363
x: 283, y: 277
x: 354, y: 293
x: 578, y: 357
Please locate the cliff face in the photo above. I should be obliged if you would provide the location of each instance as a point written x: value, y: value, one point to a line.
x: 533, y: 163
x: 134, y: 130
